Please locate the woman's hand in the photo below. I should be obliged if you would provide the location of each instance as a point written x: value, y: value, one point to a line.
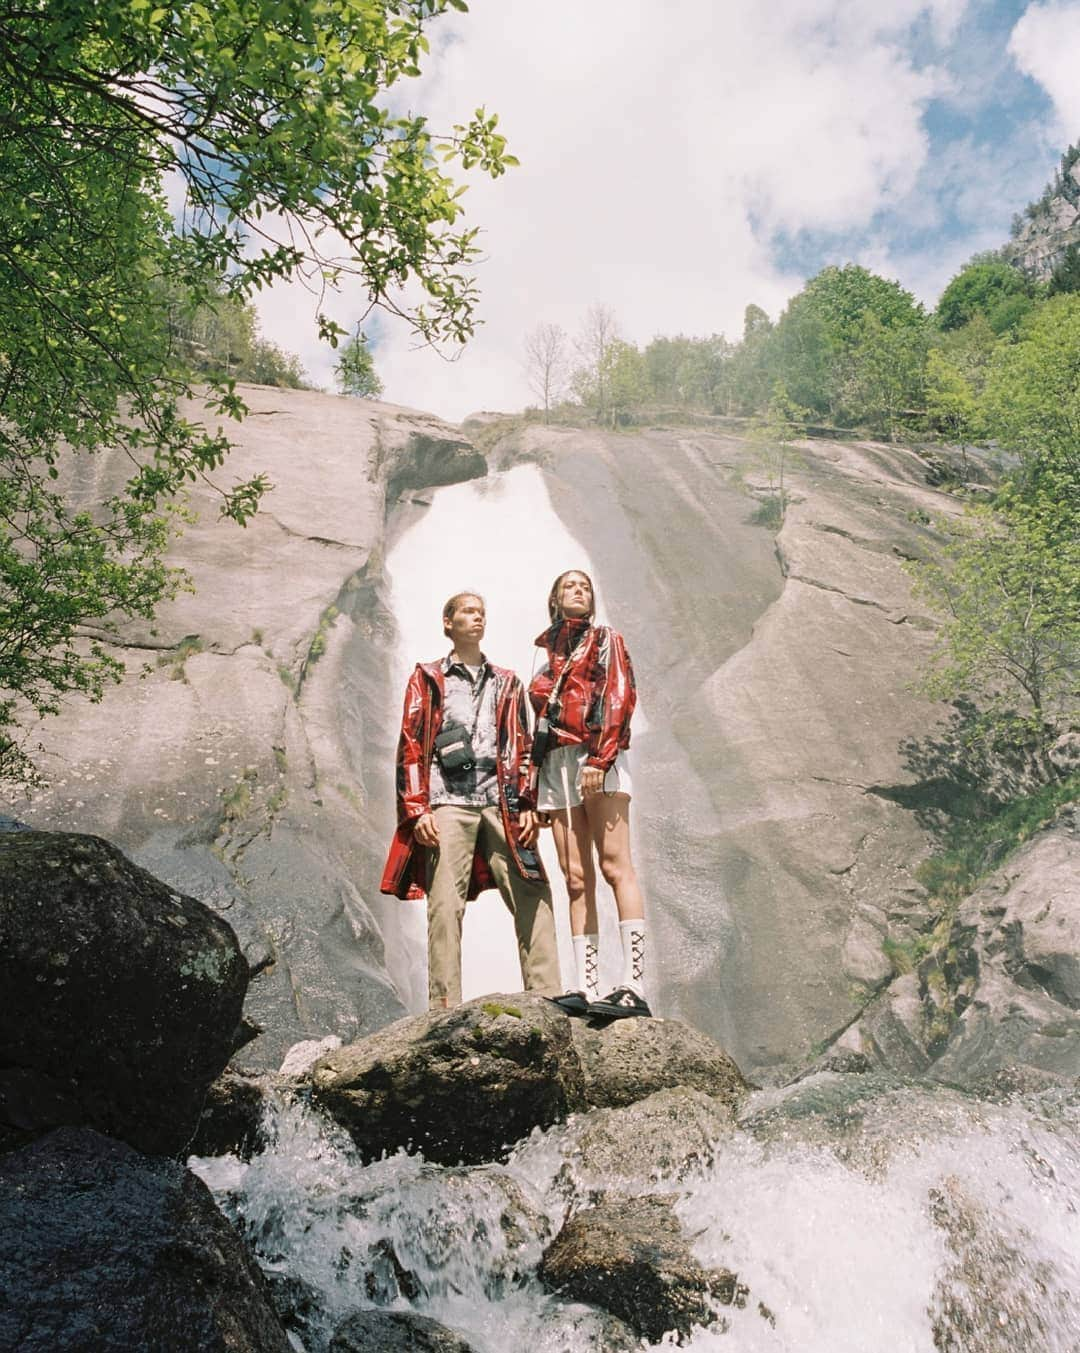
x: 529, y: 827
x: 591, y: 781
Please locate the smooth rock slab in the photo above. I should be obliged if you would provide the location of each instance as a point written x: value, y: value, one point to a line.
x: 121, y: 997
x: 629, y: 1256
x: 395, y: 1332
x: 104, y: 1250
x: 459, y: 1085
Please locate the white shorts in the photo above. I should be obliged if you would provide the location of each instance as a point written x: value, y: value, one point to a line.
x: 560, y: 773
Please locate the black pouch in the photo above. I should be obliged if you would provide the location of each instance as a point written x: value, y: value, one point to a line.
x: 541, y: 740
x: 454, y: 749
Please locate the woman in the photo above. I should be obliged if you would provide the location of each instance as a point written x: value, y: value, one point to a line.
x: 584, y: 698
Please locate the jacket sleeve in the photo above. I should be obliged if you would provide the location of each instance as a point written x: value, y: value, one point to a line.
x: 413, y: 767
x: 618, y: 697
x: 523, y: 738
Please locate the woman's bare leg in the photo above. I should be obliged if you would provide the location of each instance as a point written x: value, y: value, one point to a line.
x: 573, y: 845
x: 609, y: 823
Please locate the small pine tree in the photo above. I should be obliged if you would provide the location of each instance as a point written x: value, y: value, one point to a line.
x: 355, y: 369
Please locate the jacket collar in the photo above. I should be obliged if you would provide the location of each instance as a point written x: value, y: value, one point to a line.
x: 562, y: 637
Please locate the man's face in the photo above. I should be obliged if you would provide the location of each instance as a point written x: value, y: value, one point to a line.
x: 467, y: 622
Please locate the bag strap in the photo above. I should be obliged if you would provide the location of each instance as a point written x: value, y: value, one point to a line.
x: 560, y: 680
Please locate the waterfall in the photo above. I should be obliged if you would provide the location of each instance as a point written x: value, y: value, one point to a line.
x: 501, y: 537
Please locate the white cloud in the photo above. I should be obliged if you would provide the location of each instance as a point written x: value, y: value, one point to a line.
x: 1046, y: 45
x: 660, y: 149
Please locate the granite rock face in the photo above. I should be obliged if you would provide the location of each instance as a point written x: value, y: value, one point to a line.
x: 107, y: 1250
x: 255, y: 770
x: 778, y: 782
x: 1002, y: 988
x: 775, y: 799
x: 121, y: 997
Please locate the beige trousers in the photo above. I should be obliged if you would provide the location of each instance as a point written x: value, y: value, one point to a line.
x: 449, y: 868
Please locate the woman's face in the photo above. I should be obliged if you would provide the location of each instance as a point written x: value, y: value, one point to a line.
x: 575, y: 596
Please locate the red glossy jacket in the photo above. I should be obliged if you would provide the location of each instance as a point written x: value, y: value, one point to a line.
x: 406, y: 865
x: 598, y: 695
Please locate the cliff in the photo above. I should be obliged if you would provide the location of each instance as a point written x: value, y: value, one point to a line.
x: 775, y: 801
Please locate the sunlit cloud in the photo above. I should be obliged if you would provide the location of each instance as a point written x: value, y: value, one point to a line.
x: 668, y: 158
x: 1046, y: 45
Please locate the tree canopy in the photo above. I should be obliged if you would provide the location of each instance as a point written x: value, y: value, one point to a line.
x: 275, y: 121
x: 997, y: 290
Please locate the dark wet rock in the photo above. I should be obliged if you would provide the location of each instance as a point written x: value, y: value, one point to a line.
x: 396, y: 1332
x: 627, y: 1059
x: 121, y: 997
x: 629, y: 1255
x: 104, y: 1250
x: 231, y: 1115
x: 458, y: 1085
x: 658, y: 1138
x: 466, y: 1084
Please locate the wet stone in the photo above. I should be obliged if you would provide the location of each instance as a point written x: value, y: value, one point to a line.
x: 105, y: 1250
x: 630, y: 1256
x: 396, y: 1332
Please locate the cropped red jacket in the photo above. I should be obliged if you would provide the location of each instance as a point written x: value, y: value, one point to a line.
x: 597, y: 698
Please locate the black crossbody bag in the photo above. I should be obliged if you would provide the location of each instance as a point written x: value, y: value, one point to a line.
x: 454, y: 742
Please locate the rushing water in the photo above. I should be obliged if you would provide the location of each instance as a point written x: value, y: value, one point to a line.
x: 860, y: 1216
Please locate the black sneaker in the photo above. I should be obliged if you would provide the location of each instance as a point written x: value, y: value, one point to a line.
x: 571, y: 1002
x: 620, y: 1004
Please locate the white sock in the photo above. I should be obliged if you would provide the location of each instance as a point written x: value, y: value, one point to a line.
x: 585, y: 961
x: 632, y: 935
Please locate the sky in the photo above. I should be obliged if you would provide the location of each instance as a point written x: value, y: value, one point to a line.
x: 682, y: 160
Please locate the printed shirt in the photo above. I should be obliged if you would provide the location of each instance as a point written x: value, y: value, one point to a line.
x: 470, y: 702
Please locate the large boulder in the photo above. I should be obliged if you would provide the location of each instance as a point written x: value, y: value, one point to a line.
x: 121, y: 997
x: 458, y: 1085
x: 104, y: 1250
x: 624, y: 1060
x: 629, y: 1256
x: 466, y: 1084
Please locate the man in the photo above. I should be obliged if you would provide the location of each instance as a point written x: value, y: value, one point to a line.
x: 466, y: 821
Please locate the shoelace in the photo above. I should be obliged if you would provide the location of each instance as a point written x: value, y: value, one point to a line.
x: 637, y: 955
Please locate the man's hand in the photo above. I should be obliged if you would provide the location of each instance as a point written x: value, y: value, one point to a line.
x: 529, y: 827
x: 426, y: 830
x: 592, y: 781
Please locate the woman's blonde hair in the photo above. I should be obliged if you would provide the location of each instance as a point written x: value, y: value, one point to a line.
x: 555, y: 595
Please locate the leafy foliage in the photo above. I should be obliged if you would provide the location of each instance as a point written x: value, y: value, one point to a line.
x: 996, y: 290
x: 273, y: 117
